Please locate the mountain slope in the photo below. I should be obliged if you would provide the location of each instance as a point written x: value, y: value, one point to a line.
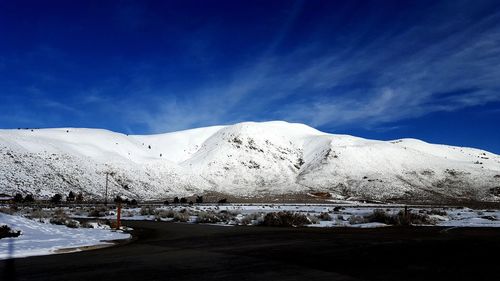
x: 245, y: 159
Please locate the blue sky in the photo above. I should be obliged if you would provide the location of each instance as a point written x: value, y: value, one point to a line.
x: 376, y: 69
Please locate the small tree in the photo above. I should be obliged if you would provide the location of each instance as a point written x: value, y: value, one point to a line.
x: 56, y: 199
x: 199, y: 199
x: 18, y: 198
x: 70, y: 197
x: 222, y: 201
x: 118, y: 199
x: 176, y: 200
x: 165, y: 202
x: 183, y: 200
x: 29, y: 198
x: 133, y: 202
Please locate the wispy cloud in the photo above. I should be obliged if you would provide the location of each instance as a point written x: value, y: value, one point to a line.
x: 394, y: 77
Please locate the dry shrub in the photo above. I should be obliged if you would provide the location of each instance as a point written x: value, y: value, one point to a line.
x: 437, y: 212
x: 253, y: 218
x: 164, y: 213
x: 354, y: 219
x: 181, y: 217
x: 97, y: 212
x: 9, y: 210
x: 72, y: 223
x: 147, y: 211
x: 285, y: 219
x: 325, y: 216
x: 7, y: 232
x: 40, y: 214
x: 380, y: 216
x: 401, y: 218
x: 204, y: 217
x: 227, y: 216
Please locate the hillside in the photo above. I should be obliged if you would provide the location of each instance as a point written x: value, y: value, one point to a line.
x: 245, y: 159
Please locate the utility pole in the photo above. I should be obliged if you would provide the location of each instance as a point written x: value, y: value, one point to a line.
x: 118, y: 215
x: 106, y: 195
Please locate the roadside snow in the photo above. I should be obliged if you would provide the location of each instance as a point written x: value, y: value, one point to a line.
x: 339, y: 215
x: 471, y: 222
x: 347, y: 224
x: 43, y: 239
x: 472, y: 218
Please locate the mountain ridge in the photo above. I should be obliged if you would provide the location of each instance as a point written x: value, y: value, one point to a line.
x: 244, y: 159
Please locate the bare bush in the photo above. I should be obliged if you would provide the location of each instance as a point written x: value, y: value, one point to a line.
x: 59, y: 217
x: 437, y: 212
x: 401, y: 218
x: 8, y: 210
x: 86, y: 225
x: 253, y: 218
x: 57, y: 221
x: 147, y: 211
x: 161, y: 213
x: 285, y: 219
x: 79, y: 212
x: 325, y: 216
x: 413, y: 218
x: 381, y: 216
x: 60, y: 213
x: 181, y: 217
x: 97, y: 212
x: 204, y: 217
x: 39, y: 214
x: 7, y: 232
x: 227, y: 216
x: 72, y: 223
x: 354, y: 219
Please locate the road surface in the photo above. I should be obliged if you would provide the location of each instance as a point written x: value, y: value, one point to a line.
x: 174, y: 251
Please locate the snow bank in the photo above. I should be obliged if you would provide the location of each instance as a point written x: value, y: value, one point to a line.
x: 43, y: 239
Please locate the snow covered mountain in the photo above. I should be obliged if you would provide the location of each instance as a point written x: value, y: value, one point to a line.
x: 245, y: 159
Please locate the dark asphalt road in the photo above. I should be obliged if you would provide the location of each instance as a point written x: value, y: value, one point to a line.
x: 169, y: 251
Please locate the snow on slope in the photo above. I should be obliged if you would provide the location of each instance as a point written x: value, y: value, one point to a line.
x: 49, y: 161
x: 178, y: 146
x: 243, y: 159
x: 374, y: 169
x: 247, y: 158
